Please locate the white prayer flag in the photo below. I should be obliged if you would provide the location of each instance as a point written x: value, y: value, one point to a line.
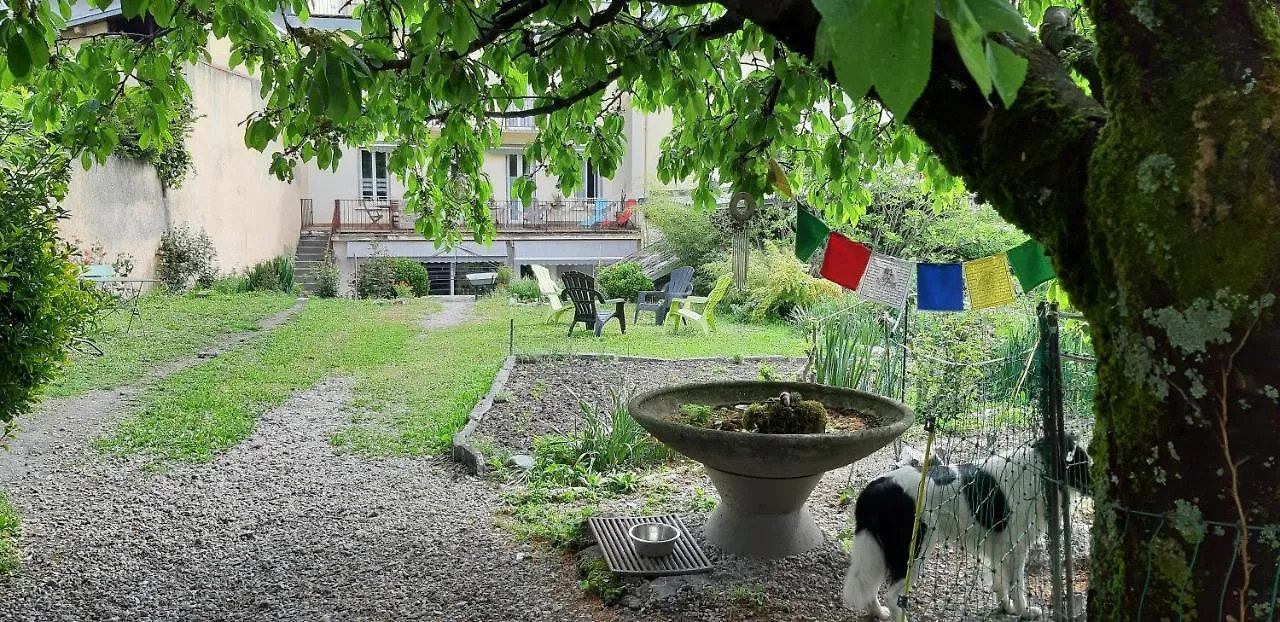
x: 887, y: 280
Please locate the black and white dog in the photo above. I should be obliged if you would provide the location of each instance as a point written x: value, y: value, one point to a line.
x: 996, y: 509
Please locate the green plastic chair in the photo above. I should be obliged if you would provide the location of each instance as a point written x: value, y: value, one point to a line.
x: 551, y: 291
x: 699, y: 310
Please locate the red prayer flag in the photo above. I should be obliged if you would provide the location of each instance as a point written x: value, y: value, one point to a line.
x: 845, y: 261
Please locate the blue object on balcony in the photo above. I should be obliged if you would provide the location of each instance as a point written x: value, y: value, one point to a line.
x: 598, y: 215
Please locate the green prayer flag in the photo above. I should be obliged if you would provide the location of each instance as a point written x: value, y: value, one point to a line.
x: 1030, y: 264
x: 810, y: 233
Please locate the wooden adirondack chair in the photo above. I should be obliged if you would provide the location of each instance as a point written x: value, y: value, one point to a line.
x: 550, y: 290
x: 700, y: 310
x: 581, y: 290
x: 680, y: 285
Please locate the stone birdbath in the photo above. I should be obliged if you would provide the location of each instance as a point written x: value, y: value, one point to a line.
x: 764, y: 479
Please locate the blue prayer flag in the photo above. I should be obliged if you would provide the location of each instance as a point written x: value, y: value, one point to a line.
x: 940, y: 287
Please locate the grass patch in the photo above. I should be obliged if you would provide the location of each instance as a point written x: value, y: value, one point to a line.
x: 418, y: 401
x: 9, y: 524
x: 169, y: 328
x: 195, y: 413
x: 732, y: 340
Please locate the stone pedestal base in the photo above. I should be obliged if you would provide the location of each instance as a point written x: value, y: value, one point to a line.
x: 762, y: 517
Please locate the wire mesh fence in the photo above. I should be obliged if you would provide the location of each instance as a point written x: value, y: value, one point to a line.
x: 1003, y: 401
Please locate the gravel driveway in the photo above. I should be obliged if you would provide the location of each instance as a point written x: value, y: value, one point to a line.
x: 278, y: 528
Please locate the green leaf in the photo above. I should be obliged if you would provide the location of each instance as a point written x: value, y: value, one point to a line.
x: 463, y: 30
x: 37, y: 47
x: 999, y: 16
x: 1009, y: 71
x: 970, y: 42
x: 336, y: 88
x: 19, y: 56
x: 900, y: 32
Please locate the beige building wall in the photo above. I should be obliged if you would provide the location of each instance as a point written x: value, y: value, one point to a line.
x: 247, y: 212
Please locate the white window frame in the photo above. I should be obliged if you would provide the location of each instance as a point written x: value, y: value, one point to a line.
x: 372, y: 185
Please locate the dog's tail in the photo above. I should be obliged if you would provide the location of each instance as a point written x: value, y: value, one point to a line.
x: 867, y: 571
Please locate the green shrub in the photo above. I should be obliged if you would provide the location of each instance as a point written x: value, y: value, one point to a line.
x: 504, y: 275
x: 327, y: 281
x: 624, y: 280
x: 525, y: 290
x: 185, y: 257
x: 44, y: 308
x: 376, y: 278
x: 414, y: 275
x: 606, y: 442
x: 688, y: 235
x: 274, y: 274
x: 777, y: 284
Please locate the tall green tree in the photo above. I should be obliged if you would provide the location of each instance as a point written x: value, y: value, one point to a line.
x: 1137, y: 139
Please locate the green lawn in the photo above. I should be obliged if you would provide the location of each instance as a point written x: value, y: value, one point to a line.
x: 169, y: 328
x: 420, y: 400
x: 194, y: 413
x: 8, y: 536
x: 413, y: 389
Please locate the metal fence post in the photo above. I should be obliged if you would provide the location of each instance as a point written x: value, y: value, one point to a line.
x: 1051, y: 407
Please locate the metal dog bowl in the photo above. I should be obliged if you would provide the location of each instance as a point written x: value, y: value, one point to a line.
x: 654, y: 539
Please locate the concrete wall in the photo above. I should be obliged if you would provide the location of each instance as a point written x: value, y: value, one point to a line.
x: 248, y: 213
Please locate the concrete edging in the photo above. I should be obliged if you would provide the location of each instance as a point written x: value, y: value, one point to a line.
x: 463, y: 452
x: 471, y: 458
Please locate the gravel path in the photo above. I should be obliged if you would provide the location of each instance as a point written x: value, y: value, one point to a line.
x: 62, y: 426
x: 277, y: 528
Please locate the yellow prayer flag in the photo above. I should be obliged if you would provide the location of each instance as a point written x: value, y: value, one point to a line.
x: 988, y: 282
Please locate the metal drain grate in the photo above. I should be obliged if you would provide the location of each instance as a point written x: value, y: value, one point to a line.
x: 611, y: 533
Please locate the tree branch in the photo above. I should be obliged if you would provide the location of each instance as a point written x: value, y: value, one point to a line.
x: 561, y: 102
x: 1029, y: 161
x: 720, y: 27
x: 1075, y: 51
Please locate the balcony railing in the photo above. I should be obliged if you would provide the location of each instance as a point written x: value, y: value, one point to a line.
x: 357, y: 215
x: 332, y: 8
x: 519, y: 123
x: 562, y: 215
x: 388, y: 215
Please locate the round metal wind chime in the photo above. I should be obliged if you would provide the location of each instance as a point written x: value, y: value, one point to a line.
x: 741, y: 208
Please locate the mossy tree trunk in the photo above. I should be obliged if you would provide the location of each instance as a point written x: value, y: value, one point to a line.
x: 1162, y: 212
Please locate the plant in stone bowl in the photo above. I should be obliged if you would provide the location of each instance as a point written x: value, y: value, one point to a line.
x: 765, y: 446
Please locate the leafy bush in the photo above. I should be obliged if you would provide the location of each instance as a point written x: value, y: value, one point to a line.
x: 274, y: 274
x: 504, y: 275
x: 185, y: 257
x: 777, y: 284
x: 414, y: 275
x: 688, y: 236
x: 327, y: 281
x: 607, y: 441
x: 525, y: 290
x: 44, y: 308
x: 624, y: 280
x: 376, y: 278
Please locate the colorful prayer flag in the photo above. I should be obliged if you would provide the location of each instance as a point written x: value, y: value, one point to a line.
x: 810, y: 232
x: 887, y: 281
x: 1030, y: 264
x: 940, y: 287
x: 845, y: 261
x: 988, y: 282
